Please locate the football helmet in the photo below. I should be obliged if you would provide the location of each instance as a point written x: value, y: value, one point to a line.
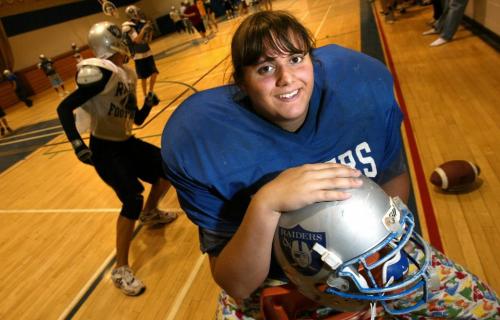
x: 348, y: 254
x: 133, y: 12
x: 105, y: 39
x: 6, y: 72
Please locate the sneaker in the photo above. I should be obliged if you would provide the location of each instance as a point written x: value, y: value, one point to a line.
x: 429, y: 32
x: 157, y: 216
x: 153, y: 98
x: 124, y: 278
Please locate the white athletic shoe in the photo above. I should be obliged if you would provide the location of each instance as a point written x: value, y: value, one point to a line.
x: 124, y: 278
x: 157, y: 216
x: 429, y: 32
x: 438, y: 42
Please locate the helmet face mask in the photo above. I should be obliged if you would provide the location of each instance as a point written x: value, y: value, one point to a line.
x: 105, y: 39
x: 356, y: 251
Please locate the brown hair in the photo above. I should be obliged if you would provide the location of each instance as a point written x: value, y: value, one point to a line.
x: 277, y: 31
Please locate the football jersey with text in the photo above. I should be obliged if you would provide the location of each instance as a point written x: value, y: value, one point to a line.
x: 217, y: 152
x: 110, y: 117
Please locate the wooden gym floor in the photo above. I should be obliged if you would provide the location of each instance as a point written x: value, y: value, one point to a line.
x: 57, y: 218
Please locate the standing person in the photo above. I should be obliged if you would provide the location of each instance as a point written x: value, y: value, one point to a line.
x: 176, y: 18
x: 4, y: 124
x: 19, y: 90
x: 448, y: 22
x: 76, y: 53
x: 204, y: 16
x: 47, y: 66
x: 211, y: 15
x: 304, y: 124
x: 194, y: 16
x: 228, y: 5
x: 187, y: 22
x: 106, y: 90
x: 138, y: 32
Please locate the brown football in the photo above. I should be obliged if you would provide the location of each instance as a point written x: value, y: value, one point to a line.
x: 455, y: 174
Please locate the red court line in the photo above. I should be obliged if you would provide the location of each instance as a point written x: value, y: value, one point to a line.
x: 430, y: 217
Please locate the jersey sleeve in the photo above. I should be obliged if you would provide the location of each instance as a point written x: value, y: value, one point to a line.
x: 193, y: 170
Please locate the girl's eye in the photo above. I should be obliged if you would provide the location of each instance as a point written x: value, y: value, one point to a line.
x: 265, y: 69
x: 297, y: 59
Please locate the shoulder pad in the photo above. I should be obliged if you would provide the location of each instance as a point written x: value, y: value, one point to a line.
x: 88, y: 75
x: 127, y: 26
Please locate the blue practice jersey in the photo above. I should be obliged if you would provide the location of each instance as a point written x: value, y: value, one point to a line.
x: 217, y: 152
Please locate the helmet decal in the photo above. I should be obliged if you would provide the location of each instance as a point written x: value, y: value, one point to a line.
x: 297, y: 244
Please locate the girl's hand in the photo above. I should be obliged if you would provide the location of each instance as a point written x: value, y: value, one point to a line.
x: 298, y: 187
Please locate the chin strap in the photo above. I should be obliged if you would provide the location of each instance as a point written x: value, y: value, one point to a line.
x: 328, y: 257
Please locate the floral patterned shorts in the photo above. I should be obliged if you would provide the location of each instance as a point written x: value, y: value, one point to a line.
x: 461, y: 295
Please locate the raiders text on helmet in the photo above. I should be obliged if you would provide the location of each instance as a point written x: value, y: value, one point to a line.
x: 105, y: 39
x: 346, y: 254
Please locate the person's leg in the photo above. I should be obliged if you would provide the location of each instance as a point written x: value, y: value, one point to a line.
x: 456, y: 9
x: 152, y: 81
x: 122, y: 275
x: 147, y: 159
x: 144, y: 85
x: 158, y: 191
x: 2, y: 128
x: 113, y: 163
x: 6, y: 124
x: 454, y: 292
x: 124, y: 232
x: 214, y: 21
x: 439, y: 25
x: 437, y: 6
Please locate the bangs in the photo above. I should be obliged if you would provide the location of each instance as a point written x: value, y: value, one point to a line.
x: 268, y: 34
x: 271, y: 44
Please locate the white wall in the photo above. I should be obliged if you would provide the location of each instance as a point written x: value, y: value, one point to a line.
x: 486, y: 13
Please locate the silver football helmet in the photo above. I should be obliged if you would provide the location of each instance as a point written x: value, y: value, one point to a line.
x: 105, y: 39
x: 133, y: 12
x: 346, y: 254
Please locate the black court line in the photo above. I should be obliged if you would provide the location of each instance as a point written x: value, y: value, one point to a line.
x: 95, y: 283
x: 372, y: 46
x: 25, y: 140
